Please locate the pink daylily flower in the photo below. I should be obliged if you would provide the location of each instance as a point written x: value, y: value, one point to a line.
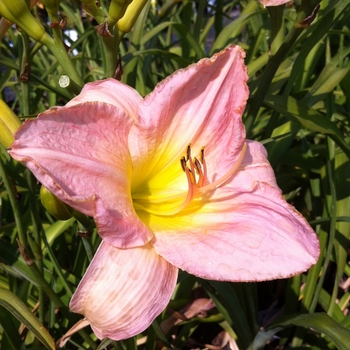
x: 172, y: 183
x: 273, y: 2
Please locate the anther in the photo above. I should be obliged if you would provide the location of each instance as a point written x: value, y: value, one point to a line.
x: 183, y: 163
x: 202, y: 155
x: 197, y: 166
x: 188, y: 152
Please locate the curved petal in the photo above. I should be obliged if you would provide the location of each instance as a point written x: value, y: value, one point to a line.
x: 246, y: 237
x: 201, y: 105
x: 240, y: 230
x: 80, y: 154
x: 273, y: 2
x: 254, y: 167
x: 124, y: 290
x: 113, y: 92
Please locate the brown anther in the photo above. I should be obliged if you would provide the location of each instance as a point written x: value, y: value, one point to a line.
x: 197, y: 165
x: 183, y: 163
x: 188, y: 153
x: 202, y: 155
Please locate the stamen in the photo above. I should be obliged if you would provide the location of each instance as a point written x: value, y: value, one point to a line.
x: 189, y: 158
x: 200, y: 173
x: 204, y: 166
x: 183, y: 163
x: 192, y: 177
x: 188, y: 153
x: 227, y: 176
x: 202, y: 155
x: 191, y: 182
x: 168, y: 205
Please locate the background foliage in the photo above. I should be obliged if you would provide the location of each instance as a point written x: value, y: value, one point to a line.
x: 298, y: 65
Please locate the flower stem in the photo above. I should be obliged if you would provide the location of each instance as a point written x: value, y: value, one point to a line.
x: 59, y: 51
x: 15, y: 207
x: 111, y: 53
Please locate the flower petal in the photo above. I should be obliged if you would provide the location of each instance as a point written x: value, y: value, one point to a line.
x: 239, y: 231
x: 124, y: 290
x: 201, y: 105
x: 113, y: 92
x: 254, y: 167
x: 273, y: 2
x: 80, y: 154
x: 254, y: 238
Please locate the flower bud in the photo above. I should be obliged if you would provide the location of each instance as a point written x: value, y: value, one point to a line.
x: 116, y: 11
x: 18, y: 12
x: 55, y: 206
x: 9, y: 123
x: 132, y: 12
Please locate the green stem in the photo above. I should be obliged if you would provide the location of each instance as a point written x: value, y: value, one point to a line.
x: 332, y: 209
x: 59, y: 51
x: 57, y: 267
x: 15, y: 207
x: 85, y: 226
x: 111, y: 45
x: 25, y: 70
x: 37, y: 228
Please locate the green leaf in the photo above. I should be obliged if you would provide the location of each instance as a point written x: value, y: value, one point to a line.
x: 320, y: 322
x: 326, y: 82
x: 308, y: 117
x: 234, y: 29
x: 11, y: 339
x: 16, y: 306
x: 229, y: 304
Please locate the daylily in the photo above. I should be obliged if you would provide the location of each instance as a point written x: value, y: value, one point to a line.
x: 273, y: 2
x: 172, y: 183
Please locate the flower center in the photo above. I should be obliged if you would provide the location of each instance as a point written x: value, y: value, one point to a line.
x: 197, y: 183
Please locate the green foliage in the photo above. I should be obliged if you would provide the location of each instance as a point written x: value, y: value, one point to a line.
x: 299, y: 71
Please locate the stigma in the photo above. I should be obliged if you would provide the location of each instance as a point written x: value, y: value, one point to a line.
x: 195, y: 169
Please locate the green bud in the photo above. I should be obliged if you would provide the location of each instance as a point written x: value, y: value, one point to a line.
x: 18, y: 12
x: 116, y: 11
x: 55, y: 206
x: 132, y: 12
x: 9, y: 123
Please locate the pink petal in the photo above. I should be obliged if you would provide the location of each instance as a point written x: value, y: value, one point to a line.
x: 242, y: 231
x: 80, y: 154
x: 201, y: 105
x: 113, y: 92
x: 273, y: 2
x: 124, y: 290
x: 256, y: 167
